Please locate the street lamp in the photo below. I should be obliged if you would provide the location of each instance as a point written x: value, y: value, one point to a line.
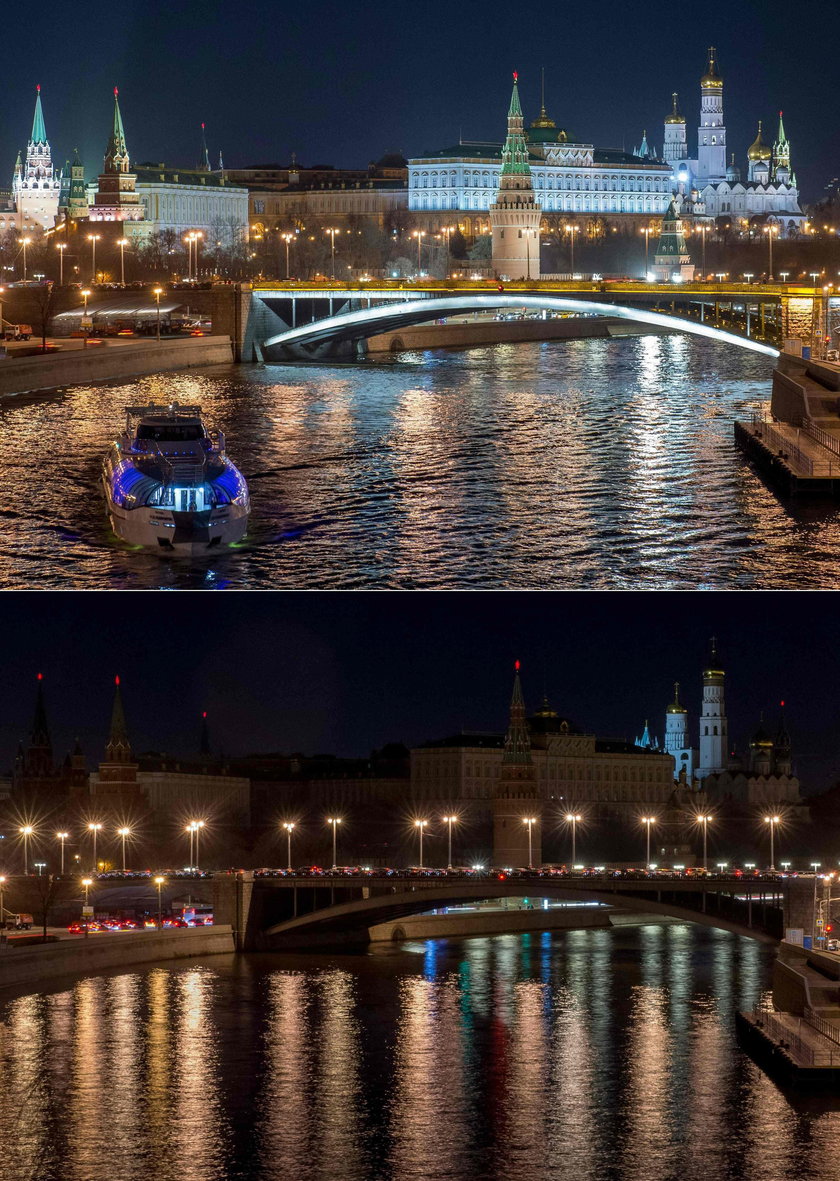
x: 94, y: 828
x: 772, y: 821
x: 93, y: 239
x: 87, y: 883
x: 449, y: 821
x: 705, y: 821
x: 123, y: 833
x: 648, y: 821
x: 334, y: 821
x: 26, y: 833
x: 2, y: 909
x: 24, y: 243
x: 197, y: 236
x: 647, y: 232
x: 420, y: 825
x: 770, y: 231
x: 530, y: 821
x: 62, y: 836
x: 2, y: 333
x: 571, y: 231
x: 815, y: 865
x: 288, y: 239
x: 122, y: 243
x: 61, y: 247
x: 419, y: 235
x: 159, y: 883
x: 332, y: 233
x: 39, y: 865
x: 447, y: 231
x: 157, y: 292
x: 784, y: 276
x: 289, y: 825
x: 703, y: 230
x: 573, y: 818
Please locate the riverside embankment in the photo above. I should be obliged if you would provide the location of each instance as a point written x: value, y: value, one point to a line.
x: 37, y: 965
x: 110, y: 362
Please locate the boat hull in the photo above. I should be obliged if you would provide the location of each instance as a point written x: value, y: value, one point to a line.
x: 185, y: 533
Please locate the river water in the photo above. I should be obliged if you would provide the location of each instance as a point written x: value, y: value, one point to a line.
x: 599, y: 463
x: 586, y: 1056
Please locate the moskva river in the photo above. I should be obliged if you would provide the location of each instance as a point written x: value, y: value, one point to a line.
x: 588, y: 1056
x: 599, y: 463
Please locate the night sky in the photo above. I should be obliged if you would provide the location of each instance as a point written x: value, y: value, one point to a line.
x: 343, y: 673
x: 344, y: 83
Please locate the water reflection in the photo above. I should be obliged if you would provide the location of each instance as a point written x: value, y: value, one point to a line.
x: 600, y: 1054
x: 603, y: 463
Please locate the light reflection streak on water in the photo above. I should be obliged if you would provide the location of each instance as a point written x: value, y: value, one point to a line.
x: 596, y: 1055
x: 194, y: 1098
x: 592, y: 463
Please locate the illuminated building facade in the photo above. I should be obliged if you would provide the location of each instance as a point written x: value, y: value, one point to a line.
x: 567, y: 176
x: 191, y: 199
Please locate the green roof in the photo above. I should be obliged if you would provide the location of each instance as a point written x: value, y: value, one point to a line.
x: 39, y: 131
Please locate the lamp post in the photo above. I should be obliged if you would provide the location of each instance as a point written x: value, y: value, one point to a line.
x: 197, y: 236
x: 61, y: 247
x: 62, y: 836
x: 332, y: 233
x: 158, y: 292
x: 420, y: 826
x: 122, y: 243
x: 770, y: 231
x: 87, y: 883
x: 447, y: 232
x: 289, y: 825
x: 26, y: 833
x: 189, y: 241
x: 123, y: 833
x: 449, y: 821
x: 39, y: 865
x: 646, y: 232
x: 190, y: 831
x: 2, y: 332
x: 93, y: 239
x: 2, y: 909
x: 198, y: 825
x: 288, y: 239
x: 815, y: 865
x: 159, y: 883
x: 772, y: 821
x: 571, y: 231
x: 419, y: 235
x: 334, y: 821
x: 705, y: 821
x: 648, y: 822
x: 24, y: 243
x: 573, y: 818
x: 95, y: 828
x: 530, y: 821
x: 703, y: 230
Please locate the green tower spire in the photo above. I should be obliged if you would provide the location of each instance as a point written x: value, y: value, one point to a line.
x: 116, y: 155
x: 118, y: 749
x: 39, y: 131
x: 515, y: 151
x: 204, y: 157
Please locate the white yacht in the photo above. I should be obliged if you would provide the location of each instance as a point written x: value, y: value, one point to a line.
x: 169, y: 484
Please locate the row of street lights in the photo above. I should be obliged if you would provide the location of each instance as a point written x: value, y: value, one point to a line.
x: 193, y: 830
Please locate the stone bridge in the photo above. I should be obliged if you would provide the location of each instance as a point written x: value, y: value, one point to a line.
x: 277, y: 913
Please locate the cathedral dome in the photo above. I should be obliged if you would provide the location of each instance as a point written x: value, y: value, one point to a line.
x: 761, y: 739
x: 675, y: 116
x: 676, y: 708
x: 759, y: 149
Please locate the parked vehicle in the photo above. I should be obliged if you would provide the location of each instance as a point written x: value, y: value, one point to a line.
x: 18, y: 331
x: 18, y: 922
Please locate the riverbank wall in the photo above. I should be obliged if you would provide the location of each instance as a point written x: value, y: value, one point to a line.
x: 38, y: 965
x: 110, y: 363
x: 479, y: 333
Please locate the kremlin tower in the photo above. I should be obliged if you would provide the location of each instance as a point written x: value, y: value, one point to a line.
x: 675, y: 147
x: 515, y: 216
x: 117, y: 781
x: 677, y: 741
x: 35, y: 187
x: 711, y: 136
x: 672, y: 260
x: 517, y: 798
x: 115, y: 198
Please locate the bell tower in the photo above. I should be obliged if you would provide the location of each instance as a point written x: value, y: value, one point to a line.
x: 711, y: 136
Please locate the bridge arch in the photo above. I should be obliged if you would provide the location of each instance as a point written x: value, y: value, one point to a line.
x: 365, y: 322
x: 349, y: 921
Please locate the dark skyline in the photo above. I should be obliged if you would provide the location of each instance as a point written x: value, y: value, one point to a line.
x: 342, y: 674
x: 343, y: 84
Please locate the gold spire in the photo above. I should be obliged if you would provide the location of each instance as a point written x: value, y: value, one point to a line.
x: 675, y: 116
x: 712, y: 79
x: 543, y: 120
x: 759, y: 149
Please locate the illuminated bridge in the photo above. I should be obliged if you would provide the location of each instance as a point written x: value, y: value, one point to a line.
x: 317, y: 321
x: 301, y: 911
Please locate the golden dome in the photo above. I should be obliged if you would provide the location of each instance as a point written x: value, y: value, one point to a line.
x: 675, y: 116
x: 759, y: 150
x: 712, y: 78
